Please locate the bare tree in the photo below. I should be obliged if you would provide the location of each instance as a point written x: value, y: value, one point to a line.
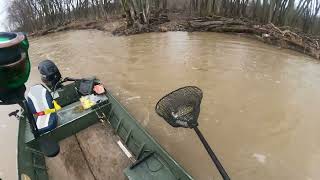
x: 33, y: 15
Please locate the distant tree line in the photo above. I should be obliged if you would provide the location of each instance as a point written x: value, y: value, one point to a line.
x: 32, y: 15
x: 302, y: 14
x: 141, y: 10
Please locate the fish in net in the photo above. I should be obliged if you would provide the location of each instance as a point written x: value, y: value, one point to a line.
x: 181, y: 108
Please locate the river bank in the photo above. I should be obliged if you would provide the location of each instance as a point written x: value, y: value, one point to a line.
x: 283, y: 37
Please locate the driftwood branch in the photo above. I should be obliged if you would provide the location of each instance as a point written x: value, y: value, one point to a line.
x: 268, y: 33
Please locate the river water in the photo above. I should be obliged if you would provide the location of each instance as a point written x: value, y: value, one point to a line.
x: 260, y: 107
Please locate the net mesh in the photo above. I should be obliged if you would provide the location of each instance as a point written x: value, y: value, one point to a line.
x: 181, y: 108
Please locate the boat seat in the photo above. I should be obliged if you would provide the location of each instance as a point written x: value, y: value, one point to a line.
x: 39, y: 100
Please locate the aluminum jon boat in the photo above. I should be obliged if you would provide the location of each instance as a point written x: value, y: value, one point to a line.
x: 149, y: 159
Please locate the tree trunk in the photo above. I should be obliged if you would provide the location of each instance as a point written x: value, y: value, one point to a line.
x: 271, y: 10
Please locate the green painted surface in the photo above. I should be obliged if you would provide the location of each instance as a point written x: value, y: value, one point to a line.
x: 152, y: 168
x: 140, y: 143
x: 4, y: 39
x: 68, y: 124
x: 31, y: 163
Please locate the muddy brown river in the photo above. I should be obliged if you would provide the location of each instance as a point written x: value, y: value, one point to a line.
x: 260, y: 111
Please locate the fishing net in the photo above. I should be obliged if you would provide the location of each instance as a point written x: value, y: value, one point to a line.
x: 181, y: 108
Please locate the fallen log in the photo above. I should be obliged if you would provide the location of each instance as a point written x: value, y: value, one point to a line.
x: 268, y: 33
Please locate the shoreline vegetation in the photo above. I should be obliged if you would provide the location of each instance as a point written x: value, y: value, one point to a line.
x: 288, y: 24
x: 284, y: 37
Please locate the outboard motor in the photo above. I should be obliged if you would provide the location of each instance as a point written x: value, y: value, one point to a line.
x: 50, y: 74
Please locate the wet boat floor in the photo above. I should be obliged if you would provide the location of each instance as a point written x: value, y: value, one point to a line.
x: 92, y: 154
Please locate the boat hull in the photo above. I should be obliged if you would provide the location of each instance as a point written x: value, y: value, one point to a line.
x: 150, y: 160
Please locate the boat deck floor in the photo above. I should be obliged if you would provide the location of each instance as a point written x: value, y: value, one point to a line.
x: 92, y: 154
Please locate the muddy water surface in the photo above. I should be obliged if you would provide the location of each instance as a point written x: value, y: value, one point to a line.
x: 260, y: 107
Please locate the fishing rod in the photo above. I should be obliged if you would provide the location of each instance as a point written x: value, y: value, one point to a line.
x: 181, y: 108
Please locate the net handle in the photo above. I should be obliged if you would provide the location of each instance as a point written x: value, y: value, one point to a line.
x: 212, y: 155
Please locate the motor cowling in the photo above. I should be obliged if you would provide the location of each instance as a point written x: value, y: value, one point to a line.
x: 50, y: 74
